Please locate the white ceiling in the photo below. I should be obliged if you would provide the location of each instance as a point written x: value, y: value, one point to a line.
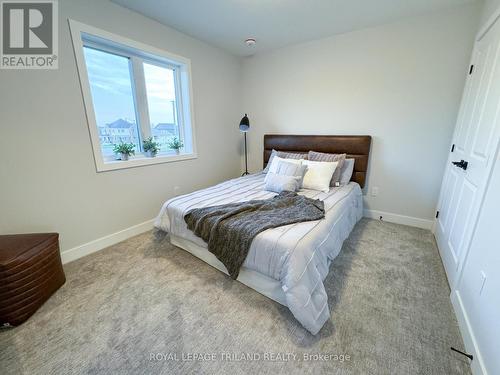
x: 277, y: 23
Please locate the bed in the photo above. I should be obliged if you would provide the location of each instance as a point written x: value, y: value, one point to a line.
x: 287, y: 264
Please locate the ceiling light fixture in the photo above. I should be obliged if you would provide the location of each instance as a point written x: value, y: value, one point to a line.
x: 250, y: 42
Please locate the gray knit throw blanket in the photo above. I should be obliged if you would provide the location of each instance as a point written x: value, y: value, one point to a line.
x: 229, y: 229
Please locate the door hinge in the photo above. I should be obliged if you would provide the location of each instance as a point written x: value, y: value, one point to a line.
x: 452, y: 147
x: 437, y: 214
x: 471, y: 69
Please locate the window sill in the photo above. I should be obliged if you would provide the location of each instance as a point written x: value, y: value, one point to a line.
x: 140, y: 160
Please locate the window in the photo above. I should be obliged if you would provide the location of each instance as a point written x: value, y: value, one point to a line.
x: 133, y: 92
x: 162, y: 105
x: 113, y: 99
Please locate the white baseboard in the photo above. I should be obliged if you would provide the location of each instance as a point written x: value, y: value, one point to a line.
x: 399, y: 219
x: 109, y: 240
x: 477, y: 364
x: 103, y: 242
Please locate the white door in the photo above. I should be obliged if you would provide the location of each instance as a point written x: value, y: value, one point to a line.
x: 464, y: 182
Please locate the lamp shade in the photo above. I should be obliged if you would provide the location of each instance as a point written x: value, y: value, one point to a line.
x: 244, y: 124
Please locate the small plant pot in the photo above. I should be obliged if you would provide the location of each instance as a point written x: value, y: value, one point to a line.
x: 177, y: 151
x: 150, y: 154
x: 123, y: 157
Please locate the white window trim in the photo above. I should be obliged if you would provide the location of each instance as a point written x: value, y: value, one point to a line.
x: 184, y: 108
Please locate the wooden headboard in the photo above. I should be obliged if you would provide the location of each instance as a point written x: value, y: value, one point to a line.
x: 356, y: 147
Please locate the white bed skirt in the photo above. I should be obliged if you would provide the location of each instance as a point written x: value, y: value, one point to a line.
x: 263, y: 284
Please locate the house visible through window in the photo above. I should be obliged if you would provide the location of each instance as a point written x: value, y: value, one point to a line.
x: 133, y: 93
x: 113, y: 97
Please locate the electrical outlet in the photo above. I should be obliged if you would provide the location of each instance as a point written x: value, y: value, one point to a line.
x: 176, y: 190
x: 374, y: 191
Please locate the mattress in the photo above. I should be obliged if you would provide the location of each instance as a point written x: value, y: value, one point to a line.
x: 296, y: 256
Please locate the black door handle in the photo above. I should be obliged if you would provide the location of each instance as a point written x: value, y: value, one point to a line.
x: 461, y: 164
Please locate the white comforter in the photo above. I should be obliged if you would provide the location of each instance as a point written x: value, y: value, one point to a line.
x: 296, y: 255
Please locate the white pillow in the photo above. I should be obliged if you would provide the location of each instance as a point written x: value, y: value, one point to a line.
x: 276, y: 182
x: 318, y: 175
x: 281, y: 182
x: 346, y: 171
x: 276, y: 161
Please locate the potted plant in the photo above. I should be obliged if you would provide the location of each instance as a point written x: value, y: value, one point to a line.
x: 150, y: 147
x: 124, y: 150
x: 175, y: 144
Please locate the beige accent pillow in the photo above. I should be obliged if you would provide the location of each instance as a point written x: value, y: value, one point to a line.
x: 318, y: 175
x: 338, y: 158
x: 292, y: 155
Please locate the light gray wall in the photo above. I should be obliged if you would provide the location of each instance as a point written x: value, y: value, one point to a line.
x: 400, y: 83
x: 490, y: 6
x: 48, y: 180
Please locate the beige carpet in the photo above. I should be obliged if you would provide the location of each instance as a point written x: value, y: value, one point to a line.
x: 388, y: 296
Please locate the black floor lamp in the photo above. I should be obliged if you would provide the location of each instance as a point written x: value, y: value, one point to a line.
x: 245, y: 127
